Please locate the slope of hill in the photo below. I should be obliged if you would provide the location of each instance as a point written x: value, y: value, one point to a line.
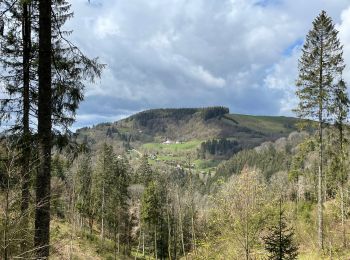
x: 171, y: 134
x: 158, y: 125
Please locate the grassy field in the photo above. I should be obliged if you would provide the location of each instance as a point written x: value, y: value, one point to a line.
x: 265, y: 124
x: 177, y: 154
x: 175, y: 148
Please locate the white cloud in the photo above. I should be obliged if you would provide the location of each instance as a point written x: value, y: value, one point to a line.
x: 106, y: 26
x: 175, y: 53
x: 204, y: 76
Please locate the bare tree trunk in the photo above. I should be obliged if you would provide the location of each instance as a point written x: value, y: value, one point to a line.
x: 26, y: 146
x: 320, y: 170
x: 193, y: 234
x: 181, y: 227
x: 192, y: 208
x: 102, y: 212
x: 103, y: 199
x: 246, y: 241
x: 342, y: 208
x: 169, y: 226
x: 138, y: 245
x: 320, y: 191
x: 342, y: 180
x: 43, y: 180
x: 155, y: 242
x: 175, y: 235
x: 119, y: 244
x: 72, y: 218
x: 246, y: 227
x: 143, y: 243
x: 6, y: 219
x: 116, y: 246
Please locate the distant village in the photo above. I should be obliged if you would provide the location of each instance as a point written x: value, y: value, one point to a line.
x: 168, y: 141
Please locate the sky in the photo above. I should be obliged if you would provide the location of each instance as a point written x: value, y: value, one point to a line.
x: 242, y: 54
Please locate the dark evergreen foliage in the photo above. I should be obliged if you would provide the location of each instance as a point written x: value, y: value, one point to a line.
x: 279, y: 242
x: 221, y: 148
x: 144, y: 173
x: 269, y: 161
x: 212, y: 112
x: 144, y: 117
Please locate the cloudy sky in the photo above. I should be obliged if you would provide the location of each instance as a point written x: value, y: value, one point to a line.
x: 192, y: 53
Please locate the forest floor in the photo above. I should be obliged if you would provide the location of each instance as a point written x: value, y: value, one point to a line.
x: 68, y: 243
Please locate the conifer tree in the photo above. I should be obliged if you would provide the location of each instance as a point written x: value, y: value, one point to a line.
x: 84, y: 190
x: 117, y: 203
x: 101, y: 180
x: 151, y: 210
x: 320, y: 71
x: 21, y: 28
x: 279, y: 242
x: 144, y: 172
x: 43, y: 180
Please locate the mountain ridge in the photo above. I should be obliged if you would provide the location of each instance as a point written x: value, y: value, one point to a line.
x: 186, y: 124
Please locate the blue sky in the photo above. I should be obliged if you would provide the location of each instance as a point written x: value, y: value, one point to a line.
x: 192, y: 53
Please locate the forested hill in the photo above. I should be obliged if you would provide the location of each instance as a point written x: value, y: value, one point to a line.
x: 188, y: 124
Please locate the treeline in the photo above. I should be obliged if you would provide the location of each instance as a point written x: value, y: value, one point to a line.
x: 212, y: 112
x: 145, y: 117
x: 266, y: 158
x: 218, y: 149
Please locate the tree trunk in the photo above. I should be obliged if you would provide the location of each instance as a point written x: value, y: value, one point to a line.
x: 119, y: 244
x: 192, y: 209
x: 319, y: 189
x: 102, y: 213
x: 116, y: 246
x: 26, y: 138
x: 7, y: 206
x: 138, y: 245
x: 103, y: 199
x: 193, y: 233
x: 43, y: 180
x: 246, y: 240
x: 181, y: 227
x: 342, y: 208
x: 175, y: 234
x: 342, y: 182
x: 155, y: 242
x: 320, y: 169
x: 169, y: 226
x: 143, y: 243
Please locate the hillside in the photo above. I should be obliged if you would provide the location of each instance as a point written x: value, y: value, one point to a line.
x: 208, y: 135
x: 159, y: 125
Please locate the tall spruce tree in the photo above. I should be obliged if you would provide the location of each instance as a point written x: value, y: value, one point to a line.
x: 320, y: 70
x: 84, y: 200
x: 151, y: 210
x: 16, y: 56
x: 102, y: 188
x: 43, y: 180
x: 20, y: 46
x: 117, y: 203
